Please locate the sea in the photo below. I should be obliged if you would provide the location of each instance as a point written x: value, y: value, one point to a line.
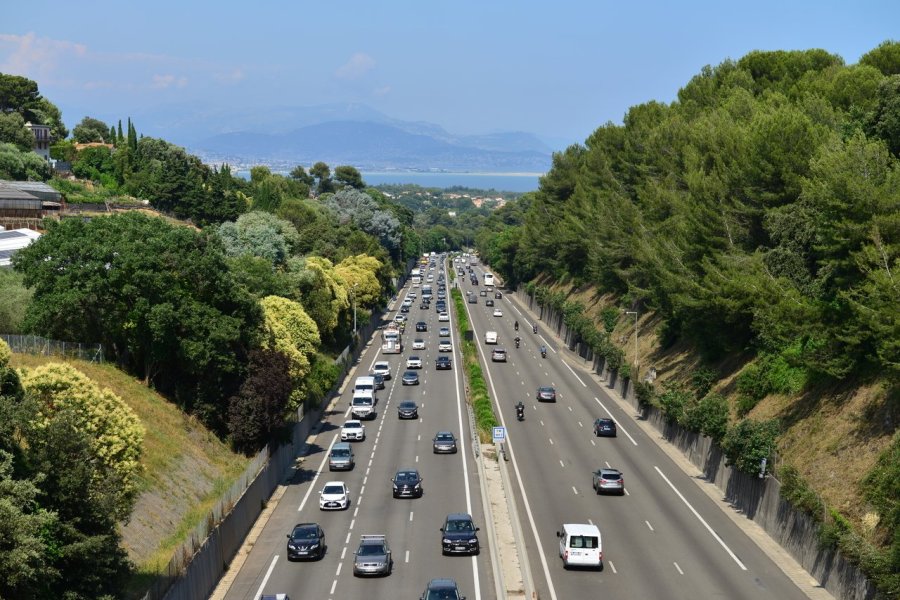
x: 501, y: 182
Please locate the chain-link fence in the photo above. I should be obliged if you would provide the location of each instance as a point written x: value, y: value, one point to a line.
x: 41, y: 346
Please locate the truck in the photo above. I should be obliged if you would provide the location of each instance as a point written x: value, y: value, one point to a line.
x: 416, y: 276
x: 489, y: 279
x: 391, y: 340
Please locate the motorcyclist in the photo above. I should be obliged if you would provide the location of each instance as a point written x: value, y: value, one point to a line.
x: 517, y: 325
x: 534, y: 328
x: 543, y: 351
x: 520, y: 410
x: 518, y: 339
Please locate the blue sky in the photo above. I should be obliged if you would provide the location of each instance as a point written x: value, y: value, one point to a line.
x: 558, y: 69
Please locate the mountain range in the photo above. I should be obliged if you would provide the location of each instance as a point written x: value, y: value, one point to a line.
x: 352, y: 134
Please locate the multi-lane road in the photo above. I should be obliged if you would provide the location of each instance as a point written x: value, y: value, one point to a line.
x: 412, y: 526
x: 663, y: 539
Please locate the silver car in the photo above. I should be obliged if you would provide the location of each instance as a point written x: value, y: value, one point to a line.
x: 444, y: 442
x: 373, y: 557
x: 608, y: 480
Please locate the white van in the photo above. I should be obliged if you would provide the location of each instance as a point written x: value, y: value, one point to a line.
x: 363, y: 405
x: 364, y: 386
x: 490, y: 337
x: 580, y: 545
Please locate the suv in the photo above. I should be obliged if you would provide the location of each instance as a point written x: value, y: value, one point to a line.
x: 605, y: 428
x: 306, y: 540
x: 353, y: 430
x: 341, y: 457
x: 383, y: 368
x: 498, y: 355
x: 373, y: 557
x: 459, y: 535
x: 443, y: 363
x: 608, y: 480
x: 421, y: 326
x: 441, y: 589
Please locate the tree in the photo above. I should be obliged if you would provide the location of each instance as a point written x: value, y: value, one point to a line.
x: 91, y: 130
x: 292, y: 332
x: 258, y: 410
x: 349, y: 176
x: 19, y: 95
x: 885, y: 58
x: 322, y: 174
x: 321, y: 292
x: 261, y: 234
x: 353, y: 206
x: 13, y: 131
x: 359, y: 274
x: 22, y: 166
x: 885, y: 122
x: 300, y: 174
x: 14, y: 299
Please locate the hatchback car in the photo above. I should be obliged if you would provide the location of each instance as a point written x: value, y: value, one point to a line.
x: 407, y: 483
x: 545, y: 393
x: 473, y: 299
x: 413, y: 362
x: 306, y: 540
x: 498, y: 312
x: 605, y: 428
x: 444, y: 332
x: 441, y: 589
x: 444, y: 442
x: 408, y: 410
x: 443, y: 317
x: 443, y: 363
x: 498, y: 355
x: 608, y: 480
x: 334, y: 496
x: 445, y: 346
x: 421, y: 326
x: 418, y: 344
x: 459, y: 535
x: 353, y: 430
x: 489, y: 302
x: 373, y: 556
x: 410, y: 378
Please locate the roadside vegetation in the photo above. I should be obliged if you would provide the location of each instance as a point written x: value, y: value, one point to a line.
x: 478, y: 395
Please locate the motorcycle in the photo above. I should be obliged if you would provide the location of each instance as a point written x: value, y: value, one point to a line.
x: 534, y: 328
x: 543, y: 352
x: 517, y: 342
x: 520, y: 412
x: 517, y: 325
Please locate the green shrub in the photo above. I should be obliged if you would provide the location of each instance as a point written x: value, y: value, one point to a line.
x: 796, y: 490
x: 709, y: 416
x: 748, y: 442
x: 673, y: 401
x: 702, y: 380
x: 609, y: 316
x: 644, y: 392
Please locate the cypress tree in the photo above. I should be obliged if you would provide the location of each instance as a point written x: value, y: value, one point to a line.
x: 112, y: 135
x: 121, y: 137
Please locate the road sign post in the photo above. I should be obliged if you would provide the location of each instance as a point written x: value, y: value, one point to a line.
x: 499, y: 435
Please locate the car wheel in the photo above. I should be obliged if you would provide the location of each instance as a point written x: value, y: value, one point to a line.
x: 601, y: 565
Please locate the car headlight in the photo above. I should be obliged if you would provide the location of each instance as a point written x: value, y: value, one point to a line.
x: 314, y: 546
x: 418, y: 486
x: 473, y: 541
x: 396, y: 487
x: 447, y: 541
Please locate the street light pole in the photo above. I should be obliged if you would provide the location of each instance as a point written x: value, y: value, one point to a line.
x: 637, y: 368
x: 353, y: 296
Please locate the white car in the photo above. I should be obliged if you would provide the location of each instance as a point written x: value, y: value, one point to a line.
x: 419, y: 344
x: 413, y: 362
x: 334, y: 496
x: 498, y: 312
x: 353, y: 430
x: 443, y: 317
x: 407, y: 302
x: 445, y: 346
x: 383, y: 368
x: 400, y: 318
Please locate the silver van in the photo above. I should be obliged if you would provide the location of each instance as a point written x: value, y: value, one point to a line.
x: 341, y: 457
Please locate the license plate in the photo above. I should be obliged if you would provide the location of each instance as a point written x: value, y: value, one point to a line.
x: 459, y: 548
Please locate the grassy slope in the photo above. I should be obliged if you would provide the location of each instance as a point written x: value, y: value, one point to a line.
x: 186, y: 468
x: 833, y: 435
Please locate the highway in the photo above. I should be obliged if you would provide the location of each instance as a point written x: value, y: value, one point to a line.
x: 412, y: 526
x: 663, y: 539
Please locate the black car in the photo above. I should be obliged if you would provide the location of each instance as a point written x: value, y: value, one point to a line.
x: 473, y: 299
x: 605, y: 428
x: 404, y: 309
x: 441, y: 589
x: 498, y: 295
x: 443, y: 363
x: 488, y: 302
x: 459, y: 535
x: 379, y: 380
x: 306, y: 540
x: 421, y: 326
x: 408, y: 410
x: 410, y: 378
x: 407, y: 484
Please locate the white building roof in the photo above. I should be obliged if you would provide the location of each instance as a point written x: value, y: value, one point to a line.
x: 13, y: 241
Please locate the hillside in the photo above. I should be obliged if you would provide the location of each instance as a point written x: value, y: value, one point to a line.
x: 186, y: 468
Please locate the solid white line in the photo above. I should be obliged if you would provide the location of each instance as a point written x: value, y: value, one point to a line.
x: 316, y: 477
x: 583, y: 384
x: 618, y: 425
x: 612, y: 566
x: 679, y: 568
x: 266, y: 578
x: 705, y: 524
x: 547, y: 344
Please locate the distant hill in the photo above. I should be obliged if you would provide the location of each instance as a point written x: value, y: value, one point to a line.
x: 372, y: 145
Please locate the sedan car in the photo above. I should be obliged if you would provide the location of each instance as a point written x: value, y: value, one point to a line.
x: 410, y: 378
x: 418, y: 344
x: 408, y: 410
x: 400, y: 318
x: 498, y: 355
x: 443, y: 363
x: 444, y: 332
x: 353, y: 430
x: 334, y: 496
x: 459, y: 535
x: 608, y: 480
x: 488, y: 302
x: 383, y: 368
x: 498, y: 295
x: 404, y: 309
x: 413, y: 362
x: 482, y: 293
x: 407, y: 484
x: 421, y: 326
x: 373, y: 556
x: 441, y: 589
x: 605, y: 428
x: 306, y: 540
x: 445, y: 346
x: 425, y: 305
x: 444, y: 442
x: 545, y: 393
x: 443, y: 317
x: 473, y: 299
x: 498, y: 312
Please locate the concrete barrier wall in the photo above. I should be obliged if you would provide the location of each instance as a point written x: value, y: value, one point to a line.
x: 758, y: 499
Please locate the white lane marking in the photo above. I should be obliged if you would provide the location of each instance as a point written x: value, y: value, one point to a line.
x: 266, y: 578
x: 407, y: 556
x: 338, y: 573
x: 593, y: 443
x: 626, y: 491
x: 580, y: 424
x: 515, y: 308
x: 352, y: 522
x: 419, y: 437
x: 680, y: 572
x: 367, y: 470
x: 570, y: 409
x: 612, y: 566
x: 333, y: 585
x: 347, y: 541
x: 583, y: 384
x: 617, y: 423
x: 417, y: 458
x: 542, y: 422
x: 606, y: 462
x: 561, y: 464
x: 590, y: 521
x: 551, y: 441
x: 355, y: 511
x: 649, y: 525
x: 705, y: 524
x: 574, y: 490
x: 410, y: 516
x: 316, y: 477
x: 343, y: 552
x: 547, y: 344
x: 366, y: 478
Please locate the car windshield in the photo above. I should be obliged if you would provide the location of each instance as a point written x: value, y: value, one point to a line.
x: 407, y: 404
x: 371, y: 550
x: 444, y: 437
x: 334, y: 489
x: 304, y: 533
x: 352, y: 425
x: 340, y: 452
x: 445, y: 594
x: 459, y: 525
x: 406, y: 477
